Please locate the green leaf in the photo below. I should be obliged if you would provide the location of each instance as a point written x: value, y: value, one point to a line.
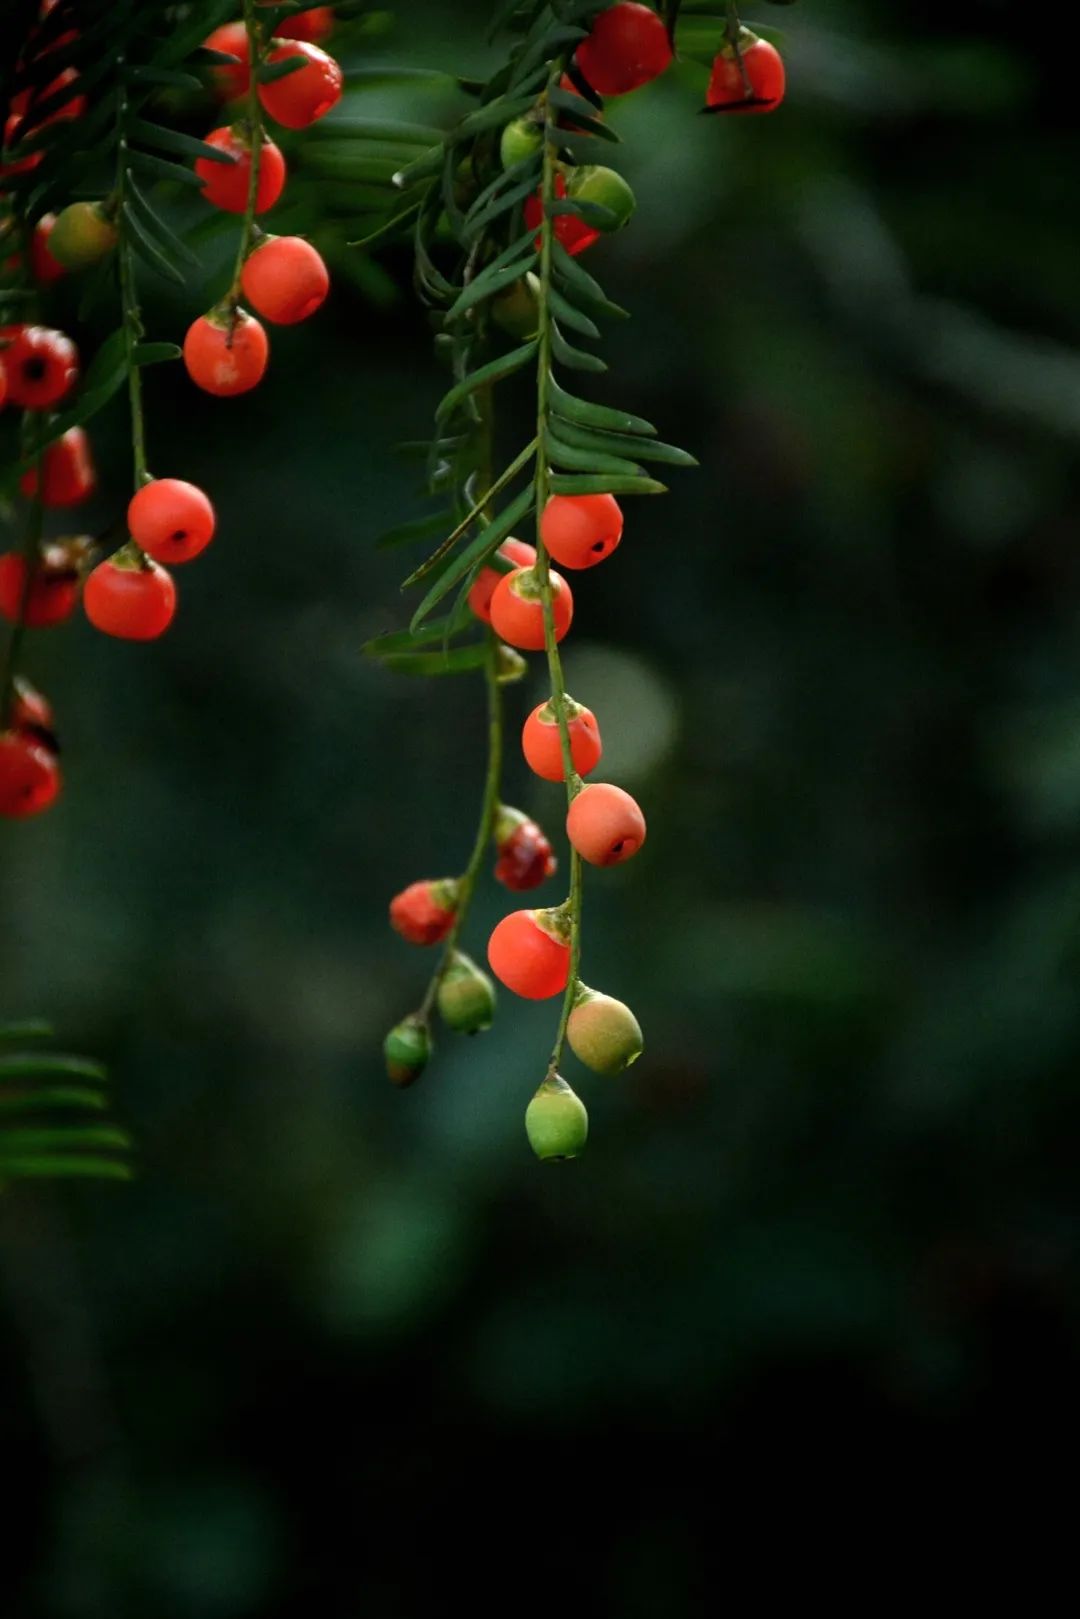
x: 475, y: 553
x: 495, y: 279
x: 494, y: 116
x: 47, y: 1065
x: 587, y: 414
x: 456, y: 661
x: 593, y: 213
x: 155, y: 353
x: 417, y: 528
x: 504, y: 365
x: 156, y: 228
x: 628, y: 444
x: 30, y: 1029
x: 173, y: 140
x: 586, y: 288
x: 165, y: 78
x: 160, y: 168
x: 525, y: 166
x: 576, y: 359
x: 270, y: 72
x: 398, y: 641
x: 584, y: 114
x: 565, y: 311
x: 506, y: 477
x: 501, y: 205
x: 45, y: 1098
x: 56, y: 1166
x: 15, y: 1142
x: 579, y: 460
x: 603, y: 484
x: 145, y: 246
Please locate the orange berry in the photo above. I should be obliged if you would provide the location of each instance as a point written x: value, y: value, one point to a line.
x: 605, y: 825
x: 483, y: 586
x: 230, y: 80
x: 172, y: 521
x: 42, y: 367
x: 226, y: 358
x: 424, y: 912
x: 285, y: 280
x: 542, y: 744
x: 517, y: 613
x: 133, y: 599
x: 627, y: 46
x: 308, y: 92
x: 581, y: 530
x: 68, y: 474
x: 226, y: 184
x: 530, y: 955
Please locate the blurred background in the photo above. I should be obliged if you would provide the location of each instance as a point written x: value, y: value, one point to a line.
x: 337, y: 1345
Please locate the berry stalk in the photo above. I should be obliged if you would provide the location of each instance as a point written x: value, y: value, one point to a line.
x: 131, y: 314
x: 254, y: 120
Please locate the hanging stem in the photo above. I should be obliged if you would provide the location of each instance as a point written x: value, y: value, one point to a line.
x: 733, y: 29
x: 131, y: 314
x: 31, y: 551
x: 253, y: 119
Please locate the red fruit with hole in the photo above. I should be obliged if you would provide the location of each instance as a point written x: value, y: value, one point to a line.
x: 542, y: 745
x: 305, y: 94
x: 313, y: 25
x: 529, y: 953
x: 762, y: 89
x: 226, y: 358
x: 68, y: 472
x: 30, y: 708
x: 131, y: 599
x: 29, y: 775
x: 42, y: 367
x: 483, y: 586
x: 581, y: 530
x: 44, y: 267
x: 605, y: 825
x: 226, y: 184
x: 517, y: 614
x: 574, y: 234
x: 230, y: 80
x: 424, y: 912
x: 171, y: 520
x: 54, y: 589
x: 627, y: 46
x: 285, y: 280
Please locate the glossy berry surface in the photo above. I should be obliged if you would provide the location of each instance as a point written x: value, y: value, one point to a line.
x: 527, y: 957
x: 313, y: 25
x: 525, y: 858
x: 556, y: 1122
x: 486, y: 581
x: 83, y: 234
x: 603, y: 1033
x: 517, y: 614
x: 171, y: 520
x: 627, y: 46
x: 42, y: 366
x: 54, y: 589
x: 306, y: 94
x: 762, y: 88
x: 574, y: 234
x: 226, y: 360
x: 131, y: 602
x: 424, y: 912
x: 605, y: 825
x: 230, y: 80
x: 541, y: 742
x: 581, y: 530
x: 285, y: 280
x: 226, y: 184
x: 29, y: 775
x: 68, y: 474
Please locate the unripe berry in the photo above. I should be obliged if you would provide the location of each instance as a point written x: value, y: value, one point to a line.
x: 529, y: 952
x: 525, y: 857
x: 483, y: 586
x: 541, y: 742
x: 407, y: 1049
x: 82, y: 235
x: 226, y: 184
x: 424, y: 912
x: 226, y: 357
x: 757, y: 86
x: 466, y: 996
x: 605, y: 825
x: 29, y: 775
x: 308, y: 92
x: 130, y: 596
x: 68, y: 474
x: 54, y: 588
x: 172, y: 521
x: 41, y: 366
x: 627, y: 46
x: 230, y: 79
x: 574, y: 234
x: 520, y: 140
x: 603, y: 1033
x: 556, y: 1122
x: 510, y: 666
x: 581, y: 530
x: 591, y: 182
x: 285, y: 279
x: 517, y: 613
x: 517, y: 310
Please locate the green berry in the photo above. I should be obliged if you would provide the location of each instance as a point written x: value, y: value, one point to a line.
x: 466, y: 997
x: 593, y: 183
x: 603, y: 1033
x: 517, y: 310
x: 519, y: 140
x: 82, y: 235
x: 407, y: 1049
x: 556, y: 1122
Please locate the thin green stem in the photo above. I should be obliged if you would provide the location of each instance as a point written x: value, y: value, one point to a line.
x: 31, y: 551
x: 733, y: 29
x: 254, y: 121
x: 131, y: 314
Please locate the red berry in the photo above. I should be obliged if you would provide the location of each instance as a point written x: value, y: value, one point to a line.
x: 226, y: 184
x: 231, y: 80
x: 605, y: 825
x: 45, y: 268
x: 424, y: 912
x: 529, y: 953
x: 517, y: 614
x: 305, y: 94
x: 285, y: 280
x: 226, y: 358
x: 574, y: 234
x: 627, y: 46
x: 30, y: 709
x: 483, y: 586
x: 171, y: 520
x: 68, y: 474
x: 131, y: 598
x: 29, y: 775
x: 313, y: 25
x: 542, y: 745
x: 525, y: 857
x: 3, y: 382
x: 762, y: 88
x: 581, y: 530
x: 41, y: 367
x: 54, y: 589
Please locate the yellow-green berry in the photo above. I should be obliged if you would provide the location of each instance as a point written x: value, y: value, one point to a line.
x: 556, y: 1122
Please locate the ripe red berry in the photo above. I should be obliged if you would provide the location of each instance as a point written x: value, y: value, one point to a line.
x: 517, y: 614
x: 3, y: 382
x: 285, y: 279
x: 313, y: 25
x: 627, y: 46
x: 226, y: 358
x: 529, y: 953
x: 41, y: 367
x: 29, y: 775
x: 525, y: 857
x: 226, y: 184
x: 762, y: 87
x: 308, y: 92
x: 68, y: 473
x: 44, y: 267
x: 230, y: 80
x: 581, y: 530
x: 424, y: 912
x: 542, y: 745
x: 54, y: 589
x: 30, y: 709
x: 171, y: 520
x: 483, y: 586
x: 130, y: 597
x: 605, y: 825
x: 574, y: 234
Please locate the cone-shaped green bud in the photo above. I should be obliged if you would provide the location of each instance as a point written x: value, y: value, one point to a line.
x: 510, y: 666
x: 520, y: 140
x: 556, y: 1122
x: 517, y: 310
x: 466, y: 997
x: 407, y: 1049
x: 82, y: 235
x: 603, y: 1033
x: 591, y: 182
